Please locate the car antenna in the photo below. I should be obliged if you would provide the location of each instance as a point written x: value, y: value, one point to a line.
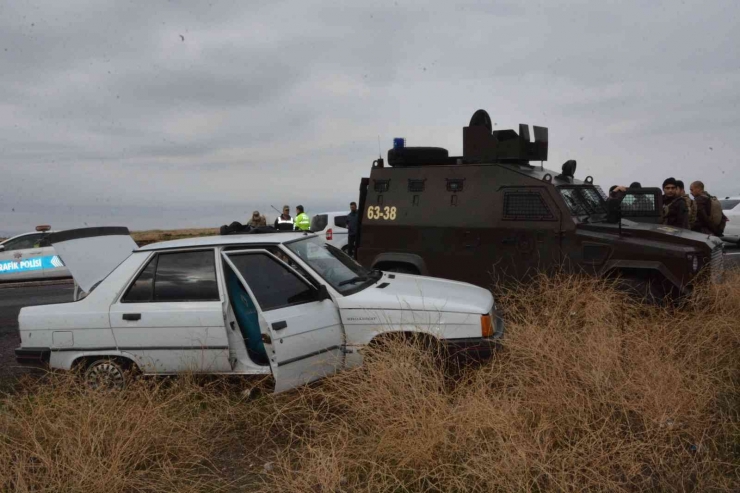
x: 276, y: 210
x: 380, y: 154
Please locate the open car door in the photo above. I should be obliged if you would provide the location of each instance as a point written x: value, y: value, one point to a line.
x: 299, y: 324
x: 91, y: 254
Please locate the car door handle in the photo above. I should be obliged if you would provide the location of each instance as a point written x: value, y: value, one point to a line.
x: 132, y: 316
x: 279, y: 325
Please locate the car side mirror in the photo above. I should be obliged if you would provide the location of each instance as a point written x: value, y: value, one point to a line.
x: 323, y: 293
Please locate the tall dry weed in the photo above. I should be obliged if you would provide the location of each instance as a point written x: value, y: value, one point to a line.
x: 154, y: 437
x: 589, y: 392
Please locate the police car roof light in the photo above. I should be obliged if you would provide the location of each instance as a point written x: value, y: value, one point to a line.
x: 43, y: 227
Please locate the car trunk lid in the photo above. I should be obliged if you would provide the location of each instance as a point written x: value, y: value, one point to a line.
x: 92, y: 253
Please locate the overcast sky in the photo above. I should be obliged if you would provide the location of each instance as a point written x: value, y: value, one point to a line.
x: 193, y: 113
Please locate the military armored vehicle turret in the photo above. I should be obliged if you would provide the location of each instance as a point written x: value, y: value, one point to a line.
x: 495, y: 214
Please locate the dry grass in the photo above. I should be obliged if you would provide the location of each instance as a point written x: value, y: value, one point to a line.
x: 590, y: 392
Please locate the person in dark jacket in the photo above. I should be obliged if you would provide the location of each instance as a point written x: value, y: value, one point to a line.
x: 690, y: 205
x: 352, y: 220
x: 675, y: 212
x: 703, y: 202
x: 284, y: 222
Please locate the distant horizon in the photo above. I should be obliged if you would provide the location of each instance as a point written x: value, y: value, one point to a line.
x: 176, y: 217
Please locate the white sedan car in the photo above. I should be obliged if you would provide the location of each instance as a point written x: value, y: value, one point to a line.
x: 30, y: 256
x: 285, y: 304
x: 731, y: 209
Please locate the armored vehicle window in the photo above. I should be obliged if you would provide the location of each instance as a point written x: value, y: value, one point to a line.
x: 638, y: 204
x: 319, y: 222
x: 455, y: 184
x: 583, y: 201
x: 382, y: 185
x: 526, y: 206
x: 416, y: 185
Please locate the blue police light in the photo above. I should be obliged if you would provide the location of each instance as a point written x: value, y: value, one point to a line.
x: 399, y: 143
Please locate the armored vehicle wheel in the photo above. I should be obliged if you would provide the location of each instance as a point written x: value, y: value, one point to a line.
x: 652, y: 288
x: 106, y: 374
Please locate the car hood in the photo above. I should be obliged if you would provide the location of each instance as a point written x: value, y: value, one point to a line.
x: 653, y: 232
x: 91, y: 254
x: 407, y: 292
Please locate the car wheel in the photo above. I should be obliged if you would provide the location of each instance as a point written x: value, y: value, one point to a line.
x: 106, y: 374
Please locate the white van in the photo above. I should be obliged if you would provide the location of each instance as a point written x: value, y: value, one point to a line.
x: 285, y: 304
x: 331, y: 227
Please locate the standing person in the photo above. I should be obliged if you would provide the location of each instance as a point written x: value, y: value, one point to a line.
x: 302, y: 221
x: 352, y: 220
x: 284, y: 222
x: 705, y: 222
x: 674, y: 208
x: 690, y: 205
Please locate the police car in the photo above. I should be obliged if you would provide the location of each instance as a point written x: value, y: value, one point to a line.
x: 285, y: 304
x: 30, y: 256
x: 731, y: 209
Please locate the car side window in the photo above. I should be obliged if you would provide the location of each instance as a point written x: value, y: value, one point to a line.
x: 143, y: 287
x: 274, y: 285
x: 340, y: 221
x: 22, y: 243
x: 176, y: 276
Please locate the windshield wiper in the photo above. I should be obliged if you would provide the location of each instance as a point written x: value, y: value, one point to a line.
x: 374, y: 275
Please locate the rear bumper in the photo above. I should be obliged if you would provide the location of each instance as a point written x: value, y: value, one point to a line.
x: 32, y: 356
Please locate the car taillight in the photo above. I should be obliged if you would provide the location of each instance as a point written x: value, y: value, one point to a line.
x: 329, y: 234
x: 486, y: 327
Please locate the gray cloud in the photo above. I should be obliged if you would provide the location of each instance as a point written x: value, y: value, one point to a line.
x: 108, y: 115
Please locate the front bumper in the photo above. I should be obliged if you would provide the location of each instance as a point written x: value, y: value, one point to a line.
x: 473, y: 348
x: 32, y: 356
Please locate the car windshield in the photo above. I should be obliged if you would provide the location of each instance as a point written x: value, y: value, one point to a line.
x: 583, y: 200
x: 729, y: 204
x: 335, y: 267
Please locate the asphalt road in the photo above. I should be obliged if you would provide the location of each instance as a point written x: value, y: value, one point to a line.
x: 11, y: 302
x: 13, y: 299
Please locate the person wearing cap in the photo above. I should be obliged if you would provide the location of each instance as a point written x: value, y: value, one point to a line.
x: 257, y: 220
x: 675, y: 212
x: 302, y: 221
x: 284, y: 222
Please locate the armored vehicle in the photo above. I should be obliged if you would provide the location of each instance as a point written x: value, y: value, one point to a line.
x: 496, y: 214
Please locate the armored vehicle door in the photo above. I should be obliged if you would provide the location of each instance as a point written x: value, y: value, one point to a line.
x: 529, y: 233
x: 644, y: 205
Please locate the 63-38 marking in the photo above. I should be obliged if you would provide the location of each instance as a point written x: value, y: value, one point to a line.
x: 385, y: 213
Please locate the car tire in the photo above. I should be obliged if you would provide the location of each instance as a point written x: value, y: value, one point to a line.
x: 107, y: 374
